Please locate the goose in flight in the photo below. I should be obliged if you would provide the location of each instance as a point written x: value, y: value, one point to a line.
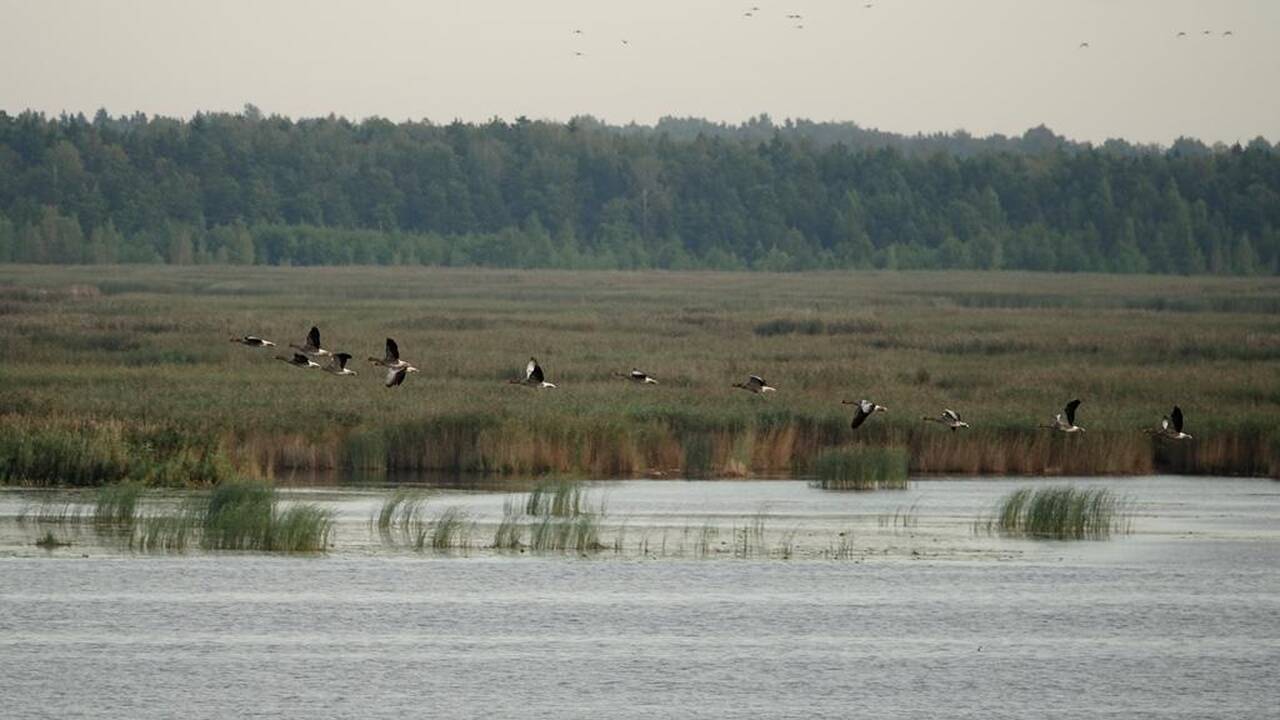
x: 533, y: 376
x: 312, y: 346
x: 639, y: 377
x: 391, y: 357
x: 1182, y: 33
x: 253, y: 341
x: 949, y: 417
x: 756, y: 384
x: 396, y: 375
x: 863, y: 410
x: 1171, y: 426
x: 1228, y: 33
x: 1068, y: 425
x: 299, y: 360
x: 1084, y: 45
x: 338, y: 365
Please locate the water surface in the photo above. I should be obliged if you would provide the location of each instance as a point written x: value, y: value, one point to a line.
x: 923, y: 617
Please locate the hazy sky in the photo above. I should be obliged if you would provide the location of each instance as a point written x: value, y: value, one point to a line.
x: 901, y: 65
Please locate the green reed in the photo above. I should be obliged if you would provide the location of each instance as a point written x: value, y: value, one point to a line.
x: 1061, y: 512
x: 861, y: 467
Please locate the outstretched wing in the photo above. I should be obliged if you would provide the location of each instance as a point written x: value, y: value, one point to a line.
x: 313, y: 337
x: 637, y: 375
x: 393, y: 350
x: 951, y: 415
x: 534, y: 372
x: 1070, y: 410
x: 300, y: 359
x: 341, y: 359
x: 756, y: 381
x: 1176, y: 417
x: 395, y: 377
x: 861, y: 414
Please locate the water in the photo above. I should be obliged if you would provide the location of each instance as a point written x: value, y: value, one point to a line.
x: 1180, y: 619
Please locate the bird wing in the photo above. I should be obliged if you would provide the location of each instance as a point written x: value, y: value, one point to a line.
x: 528, y: 369
x: 535, y: 374
x: 637, y: 375
x: 951, y: 415
x: 860, y: 415
x: 1176, y: 417
x: 300, y: 359
x: 341, y: 359
x: 1164, y: 424
x: 1070, y: 410
x: 756, y: 381
x: 393, y: 350
x: 395, y: 377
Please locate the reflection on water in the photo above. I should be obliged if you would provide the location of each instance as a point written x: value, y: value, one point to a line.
x: 919, y: 616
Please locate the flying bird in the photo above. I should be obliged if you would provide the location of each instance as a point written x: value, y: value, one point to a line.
x: 756, y: 384
x: 864, y: 410
x: 533, y: 376
x: 577, y: 32
x: 396, y: 376
x: 1171, y: 426
x: 638, y: 377
x: 949, y: 417
x: 1068, y: 425
x: 1228, y: 33
x: 391, y: 357
x: 1182, y: 34
x: 312, y: 345
x: 253, y: 341
x: 299, y: 360
x: 338, y: 365
x: 1084, y: 45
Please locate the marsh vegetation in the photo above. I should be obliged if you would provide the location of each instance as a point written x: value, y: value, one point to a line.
x: 127, y: 375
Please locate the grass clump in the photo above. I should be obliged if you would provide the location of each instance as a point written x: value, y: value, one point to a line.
x: 117, y: 504
x: 402, y: 512
x: 861, y: 468
x: 449, y: 531
x: 49, y: 541
x: 1061, y: 512
x: 557, y: 498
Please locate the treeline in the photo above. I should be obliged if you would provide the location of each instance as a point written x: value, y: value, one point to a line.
x: 245, y: 188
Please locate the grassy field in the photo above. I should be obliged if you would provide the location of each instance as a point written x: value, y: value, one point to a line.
x: 127, y: 372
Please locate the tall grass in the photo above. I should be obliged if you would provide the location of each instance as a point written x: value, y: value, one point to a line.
x: 117, y: 504
x: 448, y: 531
x: 558, y: 498
x: 861, y: 467
x: 89, y: 398
x: 1061, y: 512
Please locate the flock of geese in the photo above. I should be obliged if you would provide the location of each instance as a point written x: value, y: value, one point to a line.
x: 397, y: 369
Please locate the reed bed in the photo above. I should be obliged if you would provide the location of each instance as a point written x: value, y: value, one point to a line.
x: 1061, y: 512
x: 117, y: 504
x: 87, y: 377
x: 861, y: 468
x: 553, y: 517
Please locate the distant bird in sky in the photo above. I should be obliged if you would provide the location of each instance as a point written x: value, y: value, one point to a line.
x: 1069, y: 424
x: 253, y: 341
x: 312, y: 346
x: 1228, y: 33
x: 863, y: 409
x: 577, y: 32
x: 756, y: 384
x: 1171, y: 426
x: 624, y: 42
x: 799, y: 27
x: 1084, y: 45
x: 533, y: 376
x: 794, y: 16
x: 299, y: 360
x: 1207, y: 32
x: 747, y: 14
x: 950, y: 418
x: 638, y: 377
x: 338, y: 365
x: 868, y: 6
x: 577, y: 53
x: 1182, y: 34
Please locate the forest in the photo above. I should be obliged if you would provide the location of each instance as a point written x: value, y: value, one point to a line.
x: 253, y: 189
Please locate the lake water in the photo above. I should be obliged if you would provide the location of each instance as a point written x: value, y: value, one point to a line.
x: 911, y: 613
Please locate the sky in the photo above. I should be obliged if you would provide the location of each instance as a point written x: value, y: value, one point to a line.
x: 985, y: 66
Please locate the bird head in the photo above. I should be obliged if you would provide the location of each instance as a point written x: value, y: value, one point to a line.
x: 881, y: 408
